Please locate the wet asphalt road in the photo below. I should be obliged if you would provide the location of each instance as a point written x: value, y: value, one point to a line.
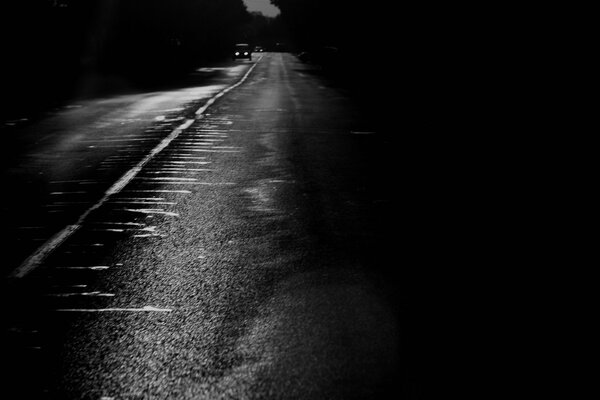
x: 163, y: 247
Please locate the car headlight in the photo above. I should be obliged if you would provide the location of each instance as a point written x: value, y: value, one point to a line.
x: 237, y: 53
x: 245, y: 53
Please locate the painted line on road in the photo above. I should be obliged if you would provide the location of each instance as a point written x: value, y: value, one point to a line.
x: 131, y: 199
x: 84, y: 294
x: 166, y: 203
x: 159, y: 191
x: 167, y: 178
x: 179, y: 163
x: 199, y: 183
x: 210, y: 102
x: 179, y: 171
x: 143, y: 309
x: 201, y: 150
x: 39, y: 256
x: 148, y: 211
x: 92, y: 268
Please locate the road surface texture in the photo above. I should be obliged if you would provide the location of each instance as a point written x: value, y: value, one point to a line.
x: 235, y: 239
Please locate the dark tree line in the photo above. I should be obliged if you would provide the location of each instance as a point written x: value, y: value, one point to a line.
x: 47, y: 43
x: 118, y: 32
x: 347, y: 25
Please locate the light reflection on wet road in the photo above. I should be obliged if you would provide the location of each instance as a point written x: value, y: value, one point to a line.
x: 232, y: 263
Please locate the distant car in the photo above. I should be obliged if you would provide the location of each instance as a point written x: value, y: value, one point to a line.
x: 242, y: 50
x: 258, y: 49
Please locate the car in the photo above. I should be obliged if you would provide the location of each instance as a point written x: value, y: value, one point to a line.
x: 242, y: 50
x: 258, y: 49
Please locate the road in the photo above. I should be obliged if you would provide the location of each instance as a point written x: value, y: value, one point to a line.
x: 235, y: 237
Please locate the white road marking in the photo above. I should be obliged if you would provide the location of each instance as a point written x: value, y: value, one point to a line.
x: 217, y: 151
x: 134, y: 199
x: 149, y: 235
x: 158, y: 191
x: 199, y: 183
x: 167, y: 178
x: 143, y: 309
x: 186, y: 162
x: 70, y: 286
x: 35, y: 260
x: 152, y: 211
x: 175, y: 154
x: 119, y: 223
x: 189, y: 157
x: 168, y: 203
x: 84, y: 294
x: 210, y: 102
x: 194, y: 149
x: 207, y: 138
x: 179, y: 171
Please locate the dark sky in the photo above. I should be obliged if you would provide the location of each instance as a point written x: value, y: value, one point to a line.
x: 264, y: 6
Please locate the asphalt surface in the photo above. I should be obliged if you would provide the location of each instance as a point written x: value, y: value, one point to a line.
x: 246, y: 251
